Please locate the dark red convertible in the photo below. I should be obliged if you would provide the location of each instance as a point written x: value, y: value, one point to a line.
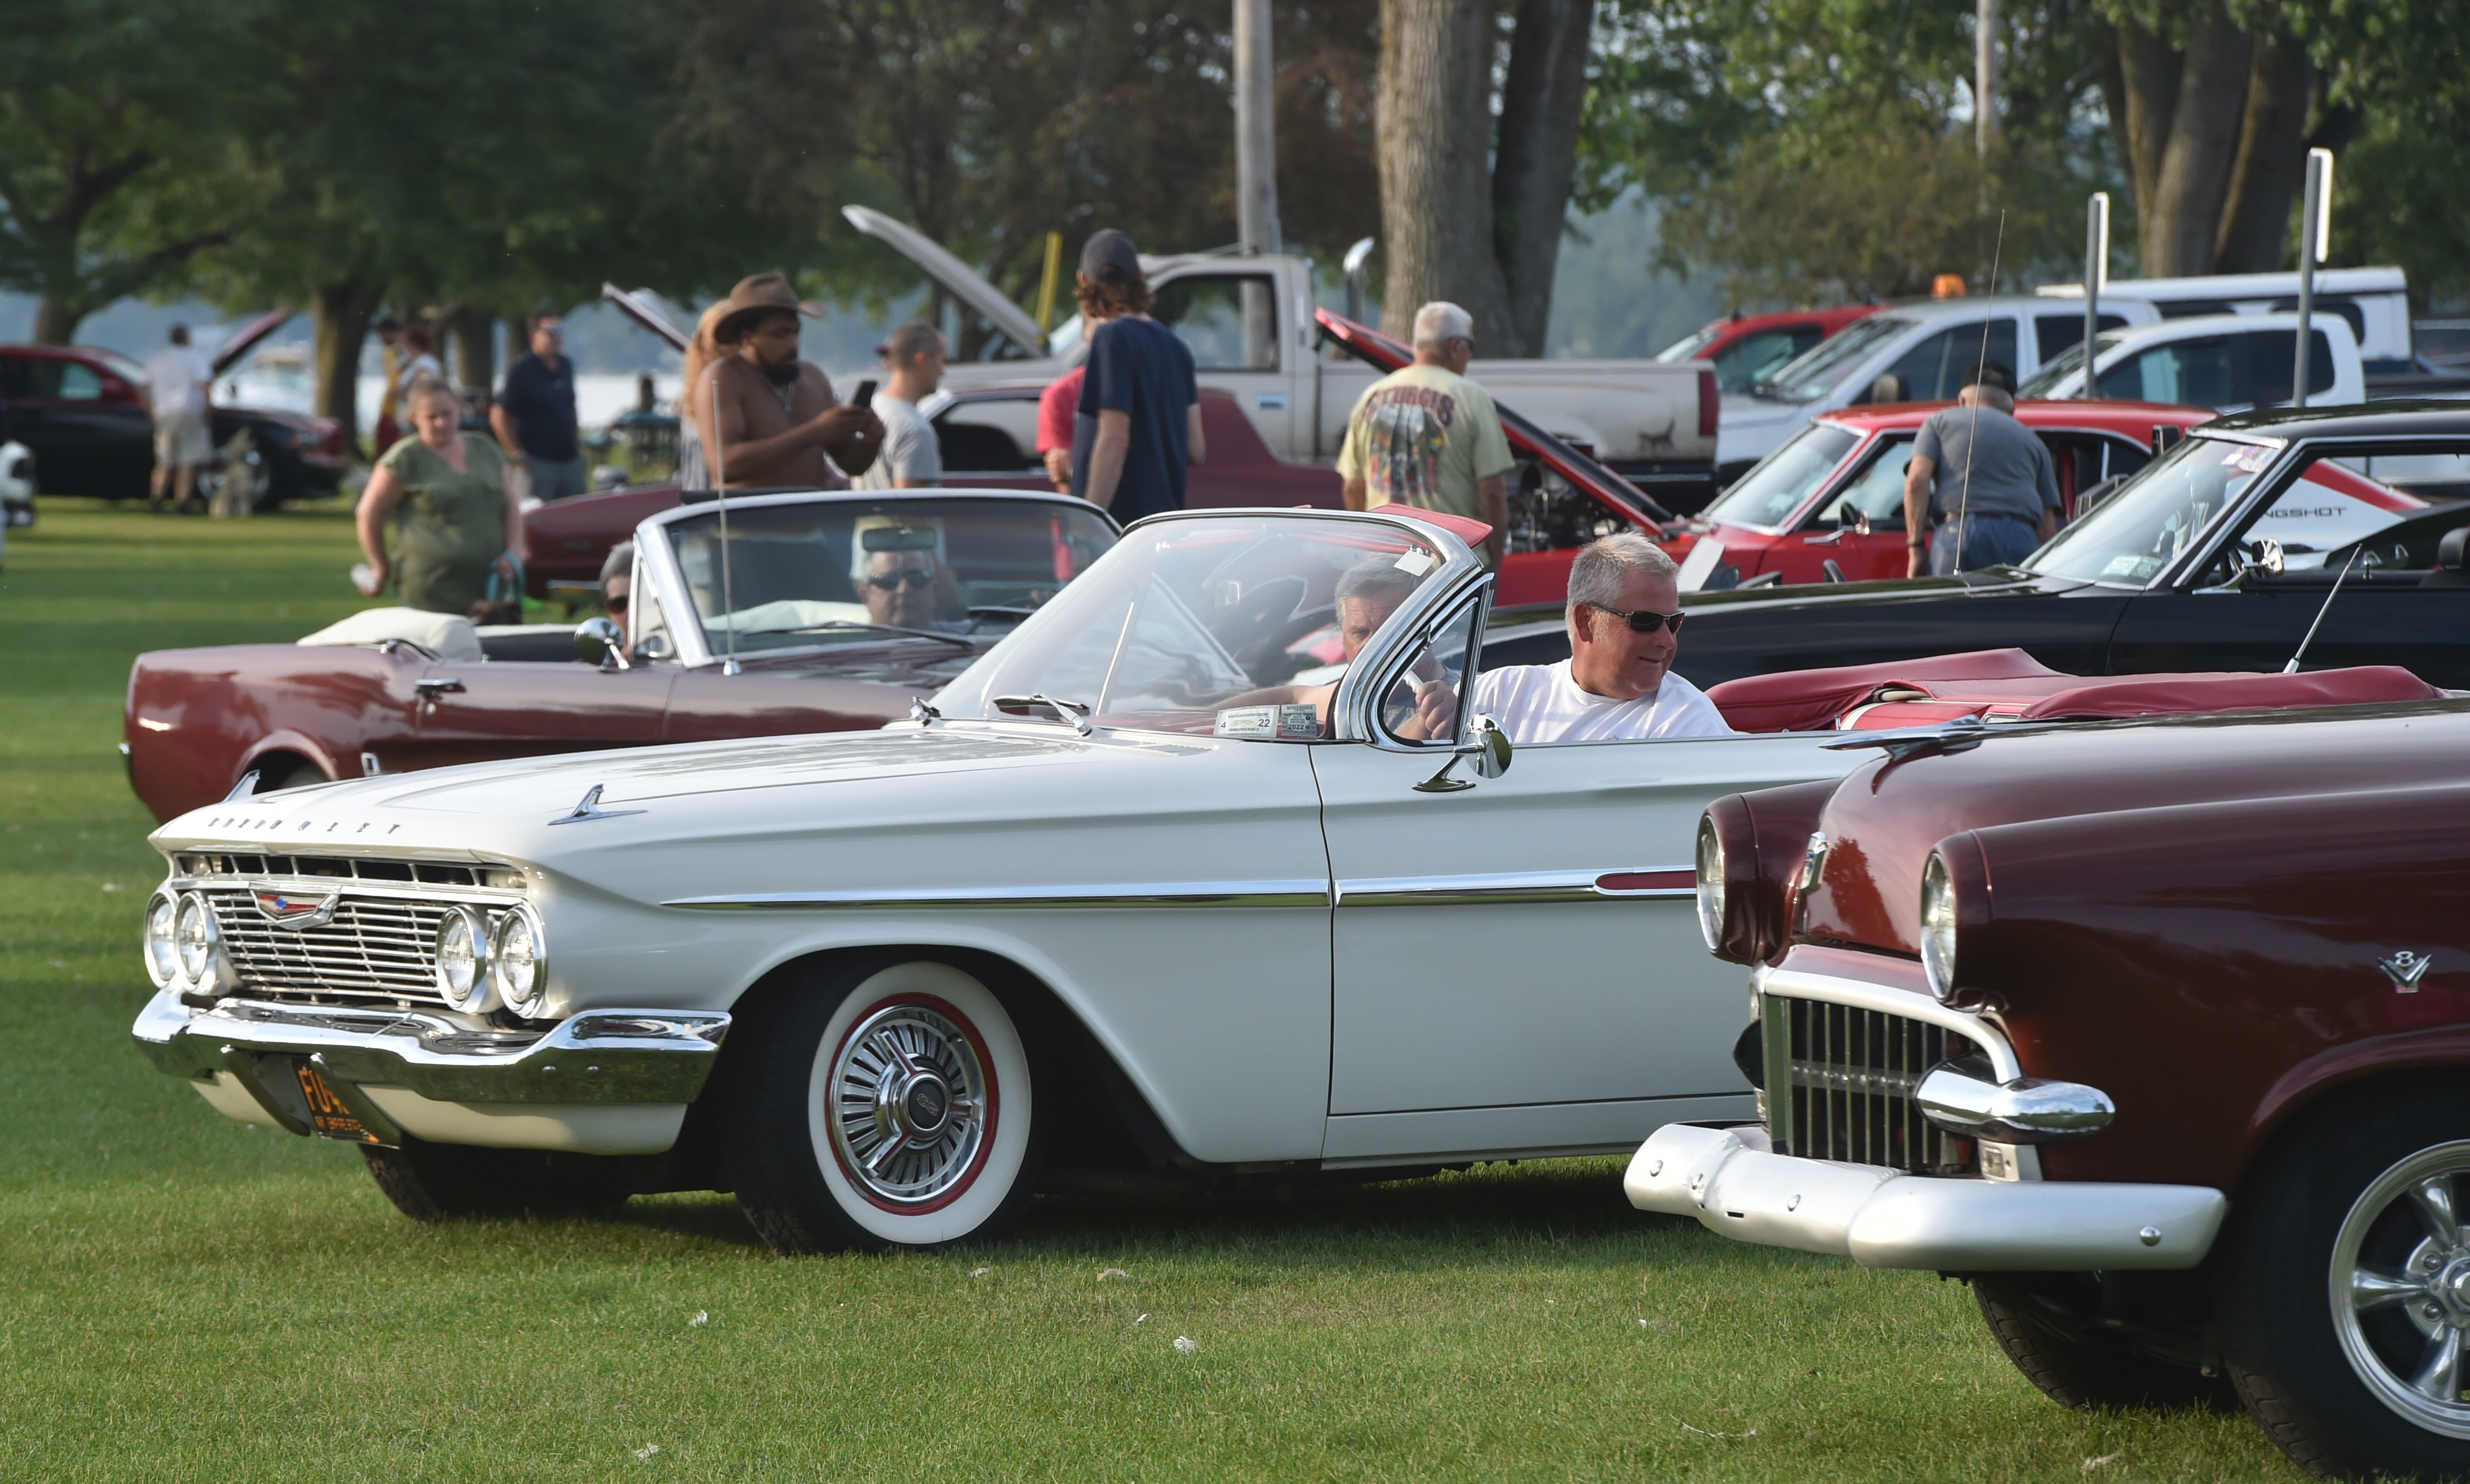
x: 824, y: 611
x: 2155, y: 1031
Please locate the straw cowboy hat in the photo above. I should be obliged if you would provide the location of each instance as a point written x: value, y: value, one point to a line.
x: 761, y: 294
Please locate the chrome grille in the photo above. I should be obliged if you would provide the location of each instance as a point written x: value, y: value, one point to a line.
x: 1840, y: 1084
x: 376, y: 948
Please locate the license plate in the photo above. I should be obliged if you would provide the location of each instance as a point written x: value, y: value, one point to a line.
x: 329, y: 1116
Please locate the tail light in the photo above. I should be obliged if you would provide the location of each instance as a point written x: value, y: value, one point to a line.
x: 1710, y: 404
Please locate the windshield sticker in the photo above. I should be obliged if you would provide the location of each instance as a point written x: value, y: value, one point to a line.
x: 1416, y: 564
x: 2131, y: 567
x: 1293, y: 722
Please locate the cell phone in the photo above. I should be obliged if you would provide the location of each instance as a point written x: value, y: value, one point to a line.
x: 865, y: 395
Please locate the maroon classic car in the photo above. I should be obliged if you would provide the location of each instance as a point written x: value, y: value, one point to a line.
x: 2155, y: 1031
x: 822, y: 611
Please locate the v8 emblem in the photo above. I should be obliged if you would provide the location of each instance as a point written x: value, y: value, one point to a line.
x: 2405, y: 969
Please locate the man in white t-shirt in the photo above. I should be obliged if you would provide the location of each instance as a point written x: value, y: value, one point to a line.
x: 911, y: 458
x: 1618, y: 684
x: 177, y: 382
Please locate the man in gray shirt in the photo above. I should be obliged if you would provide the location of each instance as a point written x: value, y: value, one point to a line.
x: 2012, y: 506
x: 911, y: 458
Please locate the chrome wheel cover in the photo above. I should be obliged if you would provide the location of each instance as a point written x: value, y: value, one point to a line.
x: 911, y: 1104
x: 2400, y: 1288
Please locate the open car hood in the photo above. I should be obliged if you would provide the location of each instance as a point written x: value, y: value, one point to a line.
x: 638, y: 307
x: 1385, y: 355
x: 248, y: 337
x: 960, y: 280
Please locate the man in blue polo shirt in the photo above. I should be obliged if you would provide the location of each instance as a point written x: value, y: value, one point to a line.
x: 1139, y: 422
x: 534, y: 417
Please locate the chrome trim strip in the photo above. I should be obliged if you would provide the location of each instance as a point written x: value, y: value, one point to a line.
x: 1307, y: 892
x: 1505, y: 886
x: 1800, y: 984
x: 432, y: 893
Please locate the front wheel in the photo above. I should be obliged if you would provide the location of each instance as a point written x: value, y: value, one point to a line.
x: 890, y: 1106
x: 2345, y: 1297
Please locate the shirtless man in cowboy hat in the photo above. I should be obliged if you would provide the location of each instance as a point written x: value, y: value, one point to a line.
x: 766, y: 417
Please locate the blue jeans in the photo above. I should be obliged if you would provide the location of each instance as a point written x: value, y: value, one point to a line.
x: 558, y: 478
x: 1990, y: 541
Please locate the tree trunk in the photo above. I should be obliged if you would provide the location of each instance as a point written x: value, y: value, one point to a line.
x: 342, y: 312
x: 55, y: 321
x: 2142, y: 86
x: 473, y: 332
x: 1541, y: 102
x: 1435, y: 130
x: 2271, y: 160
x: 2181, y: 221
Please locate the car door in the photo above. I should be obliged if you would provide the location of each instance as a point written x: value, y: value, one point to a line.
x: 1869, y: 544
x: 1516, y: 964
x: 478, y: 711
x: 1230, y: 323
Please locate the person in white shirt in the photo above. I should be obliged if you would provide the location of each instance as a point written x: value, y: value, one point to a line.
x: 1618, y: 684
x: 177, y: 383
x: 911, y: 458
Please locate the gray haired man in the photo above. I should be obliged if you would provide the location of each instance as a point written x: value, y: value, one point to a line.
x: 1618, y: 684
x: 1424, y: 435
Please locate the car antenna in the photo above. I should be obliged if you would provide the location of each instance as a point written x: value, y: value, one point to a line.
x: 1972, y: 434
x: 720, y: 498
x: 2361, y: 549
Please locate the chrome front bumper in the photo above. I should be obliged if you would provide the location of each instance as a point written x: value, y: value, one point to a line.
x: 1879, y: 1217
x: 399, y: 1071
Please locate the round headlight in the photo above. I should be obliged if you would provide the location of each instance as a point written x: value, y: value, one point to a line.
x: 1710, y: 884
x: 195, y: 941
x: 463, y: 961
x: 162, y: 950
x: 1938, y: 928
x: 519, y: 961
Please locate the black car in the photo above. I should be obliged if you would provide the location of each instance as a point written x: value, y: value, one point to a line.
x: 82, y: 411
x: 2220, y: 555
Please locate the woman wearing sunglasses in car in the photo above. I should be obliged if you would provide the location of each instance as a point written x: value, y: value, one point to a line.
x: 1618, y: 684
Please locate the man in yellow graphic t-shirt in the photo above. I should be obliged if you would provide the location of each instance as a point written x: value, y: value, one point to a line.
x: 1427, y: 436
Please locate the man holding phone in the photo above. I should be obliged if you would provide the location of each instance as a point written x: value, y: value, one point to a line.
x: 911, y: 458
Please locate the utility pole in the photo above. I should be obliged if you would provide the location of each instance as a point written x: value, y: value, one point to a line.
x: 2315, y: 238
x: 1984, y: 76
x: 1256, y: 174
x: 2096, y: 277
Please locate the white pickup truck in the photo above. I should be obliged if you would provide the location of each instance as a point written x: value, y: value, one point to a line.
x: 1248, y: 322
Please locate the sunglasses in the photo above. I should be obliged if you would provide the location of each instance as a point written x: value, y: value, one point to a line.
x: 1645, y: 622
x: 615, y: 605
x: 916, y: 577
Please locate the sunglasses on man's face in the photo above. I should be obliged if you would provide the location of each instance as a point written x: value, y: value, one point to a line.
x: 617, y: 603
x: 915, y: 576
x: 1645, y: 622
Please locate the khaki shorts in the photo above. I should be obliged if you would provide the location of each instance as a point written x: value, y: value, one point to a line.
x: 183, y: 438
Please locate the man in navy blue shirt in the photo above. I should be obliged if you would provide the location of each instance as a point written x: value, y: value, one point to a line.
x: 1139, y: 423
x: 535, y: 417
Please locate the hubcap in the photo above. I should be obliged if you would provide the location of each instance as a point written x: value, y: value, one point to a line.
x: 910, y: 1104
x: 2401, y: 1289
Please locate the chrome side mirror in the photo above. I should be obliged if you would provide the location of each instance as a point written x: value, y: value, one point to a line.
x: 1486, y: 750
x: 600, y: 641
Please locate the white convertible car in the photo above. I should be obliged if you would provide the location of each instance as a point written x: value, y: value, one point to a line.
x: 1166, y: 879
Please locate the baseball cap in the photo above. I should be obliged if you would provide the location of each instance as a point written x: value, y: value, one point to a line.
x: 1109, y: 248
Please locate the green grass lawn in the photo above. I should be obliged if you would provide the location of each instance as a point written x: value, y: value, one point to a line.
x: 187, y: 1298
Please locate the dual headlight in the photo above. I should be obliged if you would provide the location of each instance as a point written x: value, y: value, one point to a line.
x: 183, y: 947
x: 481, y: 967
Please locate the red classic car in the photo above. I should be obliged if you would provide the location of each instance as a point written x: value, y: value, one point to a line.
x: 2154, y: 1031
x: 1829, y: 505
x: 1749, y: 348
x: 824, y: 611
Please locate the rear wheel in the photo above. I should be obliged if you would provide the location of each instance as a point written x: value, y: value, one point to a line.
x: 2075, y: 1364
x: 441, y: 1182
x: 2346, y: 1298
x: 889, y: 1107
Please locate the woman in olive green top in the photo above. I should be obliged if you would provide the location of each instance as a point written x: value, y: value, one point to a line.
x: 459, y: 513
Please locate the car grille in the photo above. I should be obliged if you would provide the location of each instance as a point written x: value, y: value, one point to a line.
x: 373, y: 949
x: 1840, y: 1084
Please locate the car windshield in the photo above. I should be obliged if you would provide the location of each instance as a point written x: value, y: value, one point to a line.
x: 2156, y: 516
x: 1690, y: 346
x: 844, y: 570
x: 2041, y: 383
x: 1768, y: 495
x: 1235, y: 625
x: 1825, y: 366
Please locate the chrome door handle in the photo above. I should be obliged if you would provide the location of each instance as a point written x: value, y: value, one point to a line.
x: 431, y: 689
x: 1271, y: 402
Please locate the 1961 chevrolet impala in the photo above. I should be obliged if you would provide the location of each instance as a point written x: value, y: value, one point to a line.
x: 1161, y: 881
